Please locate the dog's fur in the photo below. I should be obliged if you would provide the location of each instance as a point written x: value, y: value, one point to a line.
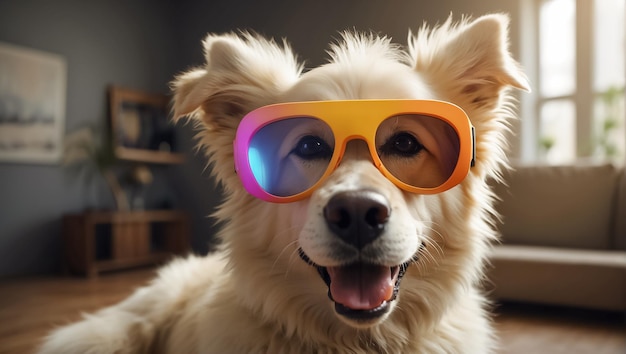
x: 257, y: 295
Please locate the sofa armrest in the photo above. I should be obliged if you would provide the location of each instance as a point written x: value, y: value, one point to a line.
x: 619, y: 241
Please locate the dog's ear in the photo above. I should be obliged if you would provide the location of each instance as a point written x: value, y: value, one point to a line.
x: 470, y: 60
x: 469, y: 64
x: 241, y: 72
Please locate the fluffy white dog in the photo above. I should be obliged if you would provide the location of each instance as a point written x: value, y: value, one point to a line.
x: 296, y: 277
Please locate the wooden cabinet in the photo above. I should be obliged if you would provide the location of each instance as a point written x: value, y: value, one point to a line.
x: 95, y: 242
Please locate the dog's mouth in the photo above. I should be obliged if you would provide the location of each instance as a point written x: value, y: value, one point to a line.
x: 361, y: 291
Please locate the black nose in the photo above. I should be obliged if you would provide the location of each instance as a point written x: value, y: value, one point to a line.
x: 357, y: 217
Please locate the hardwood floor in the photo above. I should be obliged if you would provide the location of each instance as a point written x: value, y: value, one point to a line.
x: 30, y: 308
x: 556, y: 330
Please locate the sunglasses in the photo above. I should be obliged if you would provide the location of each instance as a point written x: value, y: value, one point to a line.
x: 283, y: 152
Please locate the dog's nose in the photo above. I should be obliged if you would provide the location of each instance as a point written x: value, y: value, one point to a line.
x: 357, y: 217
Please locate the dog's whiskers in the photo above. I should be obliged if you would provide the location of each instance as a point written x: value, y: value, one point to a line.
x: 294, y: 251
x: 282, y: 252
x: 425, y: 254
x: 428, y: 255
x: 436, y: 245
x: 295, y: 254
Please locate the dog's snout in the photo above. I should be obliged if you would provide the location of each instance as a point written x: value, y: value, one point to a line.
x: 357, y: 217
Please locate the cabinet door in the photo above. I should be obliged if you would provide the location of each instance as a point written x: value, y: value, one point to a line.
x: 131, y: 239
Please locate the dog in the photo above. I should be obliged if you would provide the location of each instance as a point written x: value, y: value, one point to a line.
x: 357, y: 213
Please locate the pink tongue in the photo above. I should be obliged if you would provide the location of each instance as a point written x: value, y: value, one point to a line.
x: 361, y: 286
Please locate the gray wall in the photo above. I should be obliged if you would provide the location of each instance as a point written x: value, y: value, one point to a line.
x: 128, y: 43
x: 142, y: 44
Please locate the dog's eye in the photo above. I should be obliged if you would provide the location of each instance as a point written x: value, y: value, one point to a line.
x: 311, y: 148
x: 402, y: 144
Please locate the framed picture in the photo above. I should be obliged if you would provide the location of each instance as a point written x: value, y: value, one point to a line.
x: 32, y: 105
x: 140, y: 126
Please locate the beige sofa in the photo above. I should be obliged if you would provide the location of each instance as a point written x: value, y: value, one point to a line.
x: 563, y: 237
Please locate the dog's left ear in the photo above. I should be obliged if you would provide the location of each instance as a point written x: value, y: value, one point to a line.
x: 473, y: 63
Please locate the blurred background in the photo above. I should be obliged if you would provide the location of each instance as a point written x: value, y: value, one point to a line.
x: 572, y: 51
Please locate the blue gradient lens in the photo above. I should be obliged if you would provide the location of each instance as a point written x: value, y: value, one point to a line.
x: 289, y: 156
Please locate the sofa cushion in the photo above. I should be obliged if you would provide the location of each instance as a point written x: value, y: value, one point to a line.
x: 591, y: 279
x: 559, y: 206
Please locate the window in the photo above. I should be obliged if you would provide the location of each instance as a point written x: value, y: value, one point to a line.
x: 574, y: 50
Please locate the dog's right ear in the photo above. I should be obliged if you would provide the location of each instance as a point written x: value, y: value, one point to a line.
x: 241, y: 73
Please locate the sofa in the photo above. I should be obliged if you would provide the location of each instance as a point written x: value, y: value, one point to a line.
x: 563, y: 234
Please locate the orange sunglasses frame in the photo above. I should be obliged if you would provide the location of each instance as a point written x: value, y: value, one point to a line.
x: 349, y: 120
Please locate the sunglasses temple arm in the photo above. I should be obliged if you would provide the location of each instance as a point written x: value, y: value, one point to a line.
x: 473, y: 162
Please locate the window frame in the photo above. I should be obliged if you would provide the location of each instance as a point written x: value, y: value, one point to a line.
x: 584, y: 95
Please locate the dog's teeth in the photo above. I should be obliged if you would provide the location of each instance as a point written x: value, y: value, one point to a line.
x: 393, y: 271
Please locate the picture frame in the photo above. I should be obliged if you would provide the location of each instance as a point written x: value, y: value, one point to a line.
x: 140, y: 126
x: 33, y: 86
